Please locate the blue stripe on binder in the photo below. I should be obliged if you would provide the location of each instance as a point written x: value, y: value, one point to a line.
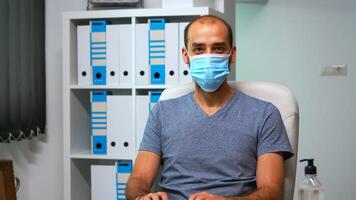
x: 98, y: 117
x: 98, y: 47
x: 98, y: 128
x: 100, y: 58
x: 157, y: 46
x: 98, y: 112
x: 157, y: 56
x: 157, y: 41
x: 98, y: 43
x: 160, y: 51
x: 99, y: 123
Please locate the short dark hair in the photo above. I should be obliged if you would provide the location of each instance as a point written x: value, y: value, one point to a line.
x: 186, y: 30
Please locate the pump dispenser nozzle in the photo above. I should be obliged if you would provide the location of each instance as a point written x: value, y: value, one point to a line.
x: 310, y: 168
x: 310, y: 188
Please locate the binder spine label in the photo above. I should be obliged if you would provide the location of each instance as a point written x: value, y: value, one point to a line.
x: 98, y: 51
x: 98, y: 121
x: 157, y: 51
x: 124, y: 169
x: 154, y: 97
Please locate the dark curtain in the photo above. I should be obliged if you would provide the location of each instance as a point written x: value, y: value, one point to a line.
x: 22, y: 69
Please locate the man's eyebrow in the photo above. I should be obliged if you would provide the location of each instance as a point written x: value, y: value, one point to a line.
x: 197, y: 44
x: 220, y: 44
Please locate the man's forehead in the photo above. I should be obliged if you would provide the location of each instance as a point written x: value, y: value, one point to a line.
x: 209, y: 21
x: 208, y: 27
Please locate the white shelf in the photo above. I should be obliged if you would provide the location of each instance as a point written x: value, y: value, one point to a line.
x: 112, y: 87
x: 153, y: 86
x: 88, y: 155
x: 150, y: 12
x: 101, y: 87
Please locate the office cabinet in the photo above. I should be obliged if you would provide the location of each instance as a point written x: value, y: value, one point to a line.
x: 117, y: 61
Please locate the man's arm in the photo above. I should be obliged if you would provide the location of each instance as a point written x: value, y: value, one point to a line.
x: 269, y: 178
x: 269, y: 175
x: 142, y: 177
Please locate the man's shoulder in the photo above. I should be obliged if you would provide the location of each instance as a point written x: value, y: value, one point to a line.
x: 255, y: 105
x: 248, y: 100
x: 174, y: 101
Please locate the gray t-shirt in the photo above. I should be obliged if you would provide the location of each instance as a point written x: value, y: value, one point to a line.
x: 217, y: 153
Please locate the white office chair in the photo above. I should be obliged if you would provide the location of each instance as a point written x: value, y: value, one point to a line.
x: 279, y: 96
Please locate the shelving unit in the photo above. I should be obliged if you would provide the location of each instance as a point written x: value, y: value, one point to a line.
x: 76, y: 98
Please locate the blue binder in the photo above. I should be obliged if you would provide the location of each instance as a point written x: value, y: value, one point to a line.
x: 98, y: 121
x: 154, y: 97
x: 157, y: 50
x: 124, y: 169
x: 98, y: 51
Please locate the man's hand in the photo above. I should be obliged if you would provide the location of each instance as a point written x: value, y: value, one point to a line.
x: 205, y: 196
x: 154, y: 196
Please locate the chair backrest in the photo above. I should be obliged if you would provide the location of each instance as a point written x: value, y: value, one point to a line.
x: 279, y: 96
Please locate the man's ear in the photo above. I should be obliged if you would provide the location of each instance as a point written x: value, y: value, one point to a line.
x: 233, y: 55
x: 185, y: 55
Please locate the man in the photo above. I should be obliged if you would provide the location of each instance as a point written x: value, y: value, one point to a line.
x: 214, y: 143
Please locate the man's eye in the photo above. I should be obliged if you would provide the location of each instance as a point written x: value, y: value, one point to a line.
x: 219, y: 49
x: 197, y: 50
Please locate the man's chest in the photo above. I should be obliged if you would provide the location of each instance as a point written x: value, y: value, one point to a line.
x: 205, y: 144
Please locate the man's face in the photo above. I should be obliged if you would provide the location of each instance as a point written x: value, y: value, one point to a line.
x: 208, y: 38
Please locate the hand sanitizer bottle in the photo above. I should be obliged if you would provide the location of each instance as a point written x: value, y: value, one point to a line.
x: 310, y: 188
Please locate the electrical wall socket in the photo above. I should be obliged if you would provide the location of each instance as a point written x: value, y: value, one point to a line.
x: 334, y: 70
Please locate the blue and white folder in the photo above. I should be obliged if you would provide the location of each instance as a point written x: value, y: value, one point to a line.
x: 98, y: 118
x: 157, y: 50
x: 120, y: 132
x: 172, y: 53
x: 103, y: 182
x: 98, y: 51
x: 124, y: 169
x: 83, y: 52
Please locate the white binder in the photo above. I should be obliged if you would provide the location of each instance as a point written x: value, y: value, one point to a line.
x: 103, y: 182
x: 112, y: 54
x: 120, y: 132
x: 184, y: 76
x: 172, y: 53
x: 125, y: 55
x: 83, y: 51
x: 141, y: 57
x: 142, y: 111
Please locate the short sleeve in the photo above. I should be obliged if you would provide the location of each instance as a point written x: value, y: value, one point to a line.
x: 151, y: 140
x: 273, y: 136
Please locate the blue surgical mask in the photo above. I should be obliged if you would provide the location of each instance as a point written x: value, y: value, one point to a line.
x: 209, y: 70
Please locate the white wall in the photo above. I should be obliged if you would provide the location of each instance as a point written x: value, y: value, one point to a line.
x: 287, y: 42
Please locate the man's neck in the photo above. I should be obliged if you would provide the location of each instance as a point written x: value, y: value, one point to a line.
x: 213, y: 99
